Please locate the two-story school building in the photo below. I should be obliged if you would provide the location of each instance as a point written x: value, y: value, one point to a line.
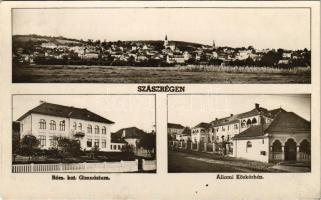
x: 49, y: 121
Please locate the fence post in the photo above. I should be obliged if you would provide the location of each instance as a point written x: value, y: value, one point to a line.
x: 31, y: 167
x: 143, y: 164
x: 60, y: 166
x: 137, y: 164
x: 205, y: 146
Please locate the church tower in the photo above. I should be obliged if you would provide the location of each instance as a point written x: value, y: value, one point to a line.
x: 166, y: 41
x: 213, y: 46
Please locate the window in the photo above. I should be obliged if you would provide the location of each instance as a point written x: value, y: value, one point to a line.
x: 248, y: 123
x: 89, y: 142
x: 80, y: 126
x: 223, y: 128
x: 89, y: 129
x: 228, y: 127
x: 115, y: 147
x: 254, y: 121
x: 96, y: 142
x: 236, y: 126
x: 111, y: 146
x: 52, y: 125
x: 53, y: 141
x: 249, y: 144
x: 243, y: 124
x: 74, y: 126
x: 103, y: 143
x: 62, y: 125
x: 42, y: 124
x: 228, y: 137
x: 103, y: 130
x: 262, y: 141
x: 96, y: 129
x: 118, y: 146
x: 42, y: 139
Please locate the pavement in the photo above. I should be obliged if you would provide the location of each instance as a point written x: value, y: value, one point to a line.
x: 291, y: 168
x: 189, y: 162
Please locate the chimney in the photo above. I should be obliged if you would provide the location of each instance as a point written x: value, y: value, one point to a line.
x: 41, y: 102
x: 231, y: 115
x: 216, y: 119
x: 257, y: 106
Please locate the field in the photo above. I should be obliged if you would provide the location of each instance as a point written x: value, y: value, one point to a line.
x: 185, y: 74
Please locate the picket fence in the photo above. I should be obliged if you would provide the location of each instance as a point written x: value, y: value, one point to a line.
x: 149, y: 165
x: 122, y: 166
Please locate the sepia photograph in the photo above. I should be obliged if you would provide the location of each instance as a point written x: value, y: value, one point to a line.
x: 239, y: 133
x: 161, y: 45
x: 66, y: 133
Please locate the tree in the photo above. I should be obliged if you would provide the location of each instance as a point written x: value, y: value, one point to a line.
x: 28, y: 145
x: 69, y: 147
x: 15, y: 145
x: 148, y: 142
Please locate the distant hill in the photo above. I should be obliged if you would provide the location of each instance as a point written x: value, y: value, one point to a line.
x: 65, y: 41
x: 41, y: 39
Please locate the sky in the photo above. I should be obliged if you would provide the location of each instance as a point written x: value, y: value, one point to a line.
x: 189, y: 110
x: 235, y: 27
x: 124, y: 110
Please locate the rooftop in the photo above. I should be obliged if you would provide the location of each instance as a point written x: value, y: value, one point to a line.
x: 176, y: 126
x: 67, y: 112
x: 284, y: 122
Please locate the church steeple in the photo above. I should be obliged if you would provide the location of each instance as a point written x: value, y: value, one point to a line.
x: 213, y: 44
x: 165, y: 41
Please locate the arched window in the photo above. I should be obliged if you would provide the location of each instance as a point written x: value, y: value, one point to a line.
x: 42, y: 124
x: 254, y: 121
x: 52, y: 125
x: 74, y: 126
x: 89, y: 129
x: 97, y: 129
x: 277, y: 146
x: 103, y: 130
x: 248, y: 123
x: 305, y: 147
x: 80, y: 126
x: 62, y: 125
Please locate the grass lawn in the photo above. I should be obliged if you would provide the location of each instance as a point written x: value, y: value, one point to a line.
x: 127, y: 74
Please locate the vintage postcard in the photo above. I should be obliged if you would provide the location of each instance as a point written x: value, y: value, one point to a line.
x: 160, y: 100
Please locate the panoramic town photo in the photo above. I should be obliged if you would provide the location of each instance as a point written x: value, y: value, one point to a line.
x: 65, y: 133
x: 161, y: 45
x: 239, y: 133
